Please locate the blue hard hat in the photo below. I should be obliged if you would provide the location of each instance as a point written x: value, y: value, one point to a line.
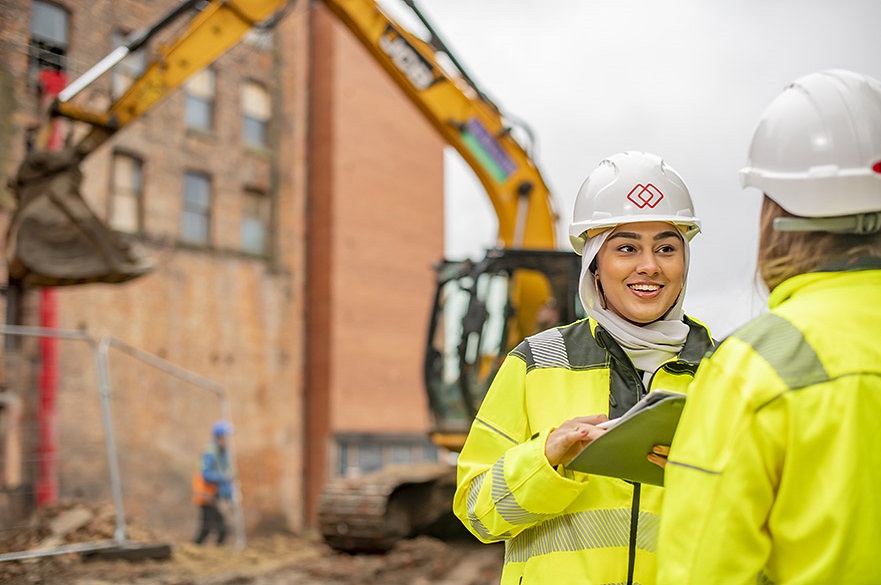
x: 221, y: 429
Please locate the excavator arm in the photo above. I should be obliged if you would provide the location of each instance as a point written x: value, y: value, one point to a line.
x: 54, y: 237
x: 466, y: 118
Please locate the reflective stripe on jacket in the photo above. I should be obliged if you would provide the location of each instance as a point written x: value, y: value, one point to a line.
x: 775, y: 469
x: 561, y: 526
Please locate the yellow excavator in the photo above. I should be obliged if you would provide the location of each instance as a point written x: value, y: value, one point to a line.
x: 482, y: 308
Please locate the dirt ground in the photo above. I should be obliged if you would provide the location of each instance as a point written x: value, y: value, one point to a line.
x: 278, y: 559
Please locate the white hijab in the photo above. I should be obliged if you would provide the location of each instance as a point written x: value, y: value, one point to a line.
x: 647, y: 346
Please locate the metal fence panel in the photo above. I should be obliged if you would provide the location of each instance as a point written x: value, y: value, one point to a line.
x: 128, y: 427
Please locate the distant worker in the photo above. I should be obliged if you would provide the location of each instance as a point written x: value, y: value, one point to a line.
x: 212, y: 483
x: 632, y: 225
x: 775, y: 467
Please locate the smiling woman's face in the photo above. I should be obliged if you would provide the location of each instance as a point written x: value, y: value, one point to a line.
x: 641, y: 268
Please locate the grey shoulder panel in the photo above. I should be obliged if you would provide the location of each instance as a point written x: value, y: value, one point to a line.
x: 571, y: 346
x: 784, y: 347
x: 548, y: 349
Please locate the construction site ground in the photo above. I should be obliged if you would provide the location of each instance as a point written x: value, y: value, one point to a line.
x: 276, y: 559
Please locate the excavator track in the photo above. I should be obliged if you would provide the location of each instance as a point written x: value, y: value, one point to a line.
x: 372, y: 512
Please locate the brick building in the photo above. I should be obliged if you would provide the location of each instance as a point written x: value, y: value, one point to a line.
x: 292, y: 199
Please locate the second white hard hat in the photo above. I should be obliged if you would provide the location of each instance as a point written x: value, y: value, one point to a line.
x: 631, y: 187
x: 817, y: 148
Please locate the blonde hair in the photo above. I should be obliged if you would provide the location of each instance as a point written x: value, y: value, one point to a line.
x: 783, y: 255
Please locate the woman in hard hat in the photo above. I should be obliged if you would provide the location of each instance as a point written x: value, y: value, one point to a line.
x: 774, y: 472
x: 632, y: 224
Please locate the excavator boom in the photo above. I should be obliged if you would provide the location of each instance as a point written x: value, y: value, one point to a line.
x: 466, y: 118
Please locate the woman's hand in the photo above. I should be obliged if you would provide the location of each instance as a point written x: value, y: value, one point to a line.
x: 658, y: 456
x: 567, y: 441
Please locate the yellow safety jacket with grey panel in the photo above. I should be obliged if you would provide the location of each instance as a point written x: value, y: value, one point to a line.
x: 775, y: 469
x: 561, y: 526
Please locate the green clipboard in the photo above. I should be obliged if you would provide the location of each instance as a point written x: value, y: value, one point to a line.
x: 623, y: 448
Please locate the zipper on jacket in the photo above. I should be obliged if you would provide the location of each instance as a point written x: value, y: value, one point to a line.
x: 621, y: 365
x: 634, y: 527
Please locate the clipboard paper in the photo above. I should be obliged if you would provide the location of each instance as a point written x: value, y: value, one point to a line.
x: 623, y: 448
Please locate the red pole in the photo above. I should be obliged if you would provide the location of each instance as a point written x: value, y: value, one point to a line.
x: 47, y: 479
x: 47, y: 473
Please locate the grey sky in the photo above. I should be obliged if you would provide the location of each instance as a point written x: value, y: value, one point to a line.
x: 686, y: 79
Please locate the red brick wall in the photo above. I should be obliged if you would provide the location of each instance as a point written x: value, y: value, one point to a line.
x: 376, y: 227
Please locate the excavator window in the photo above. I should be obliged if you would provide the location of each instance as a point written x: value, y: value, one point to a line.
x: 475, y: 323
x: 484, y: 334
x: 471, y: 327
x: 442, y: 363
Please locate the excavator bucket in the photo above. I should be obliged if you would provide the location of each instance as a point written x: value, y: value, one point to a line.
x: 54, y: 238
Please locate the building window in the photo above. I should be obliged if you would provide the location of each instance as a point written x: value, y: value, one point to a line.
x: 126, y: 195
x: 199, y: 109
x: 255, y: 112
x: 196, y: 218
x: 127, y: 70
x: 48, y: 46
x: 255, y: 222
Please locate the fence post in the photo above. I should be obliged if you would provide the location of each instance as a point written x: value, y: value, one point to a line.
x: 102, y: 367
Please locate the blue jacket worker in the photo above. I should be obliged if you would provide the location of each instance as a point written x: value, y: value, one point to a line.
x: 212, y: 482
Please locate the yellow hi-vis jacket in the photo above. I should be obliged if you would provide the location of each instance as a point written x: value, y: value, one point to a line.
x: 561, y: 526
x: 775, y: 470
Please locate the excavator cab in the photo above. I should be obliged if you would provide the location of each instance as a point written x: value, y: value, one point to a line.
x: 481, y: 311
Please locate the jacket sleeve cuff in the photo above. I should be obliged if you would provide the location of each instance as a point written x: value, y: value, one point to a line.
x: 537, y: 486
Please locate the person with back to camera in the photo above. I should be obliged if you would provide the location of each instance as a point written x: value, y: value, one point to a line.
x: 774, y: 471
x: 212, y: 483
x: 632, y: 224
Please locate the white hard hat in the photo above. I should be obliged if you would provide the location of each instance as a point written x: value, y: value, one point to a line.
x: 817, y: 148
x: 631, y: 187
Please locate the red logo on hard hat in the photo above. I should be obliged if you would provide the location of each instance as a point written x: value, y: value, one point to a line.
x: 645, y: 196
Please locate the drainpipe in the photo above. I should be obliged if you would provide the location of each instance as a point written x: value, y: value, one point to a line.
x: 47, y: 479
x: 47, y: 472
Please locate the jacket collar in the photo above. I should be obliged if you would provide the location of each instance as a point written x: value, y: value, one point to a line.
x: 848, y: 272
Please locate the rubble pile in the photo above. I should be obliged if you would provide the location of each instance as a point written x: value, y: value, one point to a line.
x: 66, y: 522
x: 277, y: 559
